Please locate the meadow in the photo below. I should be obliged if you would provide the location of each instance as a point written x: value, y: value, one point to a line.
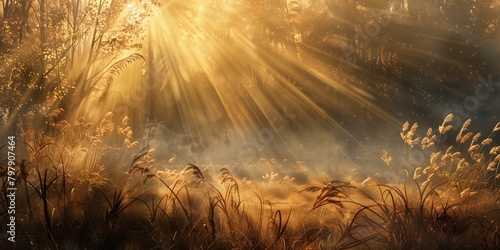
x: 238, y: 124
x: 90, y: 186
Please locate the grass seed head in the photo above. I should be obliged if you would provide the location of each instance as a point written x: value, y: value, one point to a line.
x: 434, y: 157
x: 414, y: 142
x: 492, y: 166
x: 462, y: 164
x: 429, y: 132
x: 386, y: 158
x: 406, y: 125
x: 464, y: 128
x: 496, y: 128
x: 445, y: 128
x: 418, y: 173
x: 448, y: 118
x: 486, y: 141
x: 475, y: 138
x: 497, y: 158
x: 473, y: 148
x: 466, y: 193
x: 125, y: 121
x: 466, y: 137
x: 495, y: 150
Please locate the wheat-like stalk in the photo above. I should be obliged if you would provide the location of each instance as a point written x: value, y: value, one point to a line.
x: 495, y: 150
x: 463, y: 129
x: 496, y: 128
x: 418, y: 173
x: 386, y: 157
x: 445, y: 128
x: 466, y: 137
x: 331, y: 193
x: 475, y: 138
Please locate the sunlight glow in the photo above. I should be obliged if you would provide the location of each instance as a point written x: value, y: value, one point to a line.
x: 245, y: 124
x: 237, y: 78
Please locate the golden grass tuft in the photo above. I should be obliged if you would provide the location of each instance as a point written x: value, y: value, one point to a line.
x: 80, y: 186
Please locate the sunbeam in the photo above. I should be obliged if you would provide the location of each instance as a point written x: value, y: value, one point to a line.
x: 249, y: 124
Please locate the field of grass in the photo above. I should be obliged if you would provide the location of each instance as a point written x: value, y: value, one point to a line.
x: 91, y: 186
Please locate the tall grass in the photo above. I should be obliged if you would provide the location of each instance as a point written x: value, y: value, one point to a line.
x: 89, y: 186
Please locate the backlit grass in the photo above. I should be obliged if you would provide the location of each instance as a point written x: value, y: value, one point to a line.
x: 91, y: 186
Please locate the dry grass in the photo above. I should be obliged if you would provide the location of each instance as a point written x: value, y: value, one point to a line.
x: 79, y: 189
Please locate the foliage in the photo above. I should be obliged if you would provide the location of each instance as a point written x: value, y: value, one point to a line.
x: 55, y: 53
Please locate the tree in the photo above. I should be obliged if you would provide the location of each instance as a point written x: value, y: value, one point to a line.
x: 66, y: 53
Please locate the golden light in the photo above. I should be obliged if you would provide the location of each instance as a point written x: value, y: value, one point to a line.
x: 214, y: 71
